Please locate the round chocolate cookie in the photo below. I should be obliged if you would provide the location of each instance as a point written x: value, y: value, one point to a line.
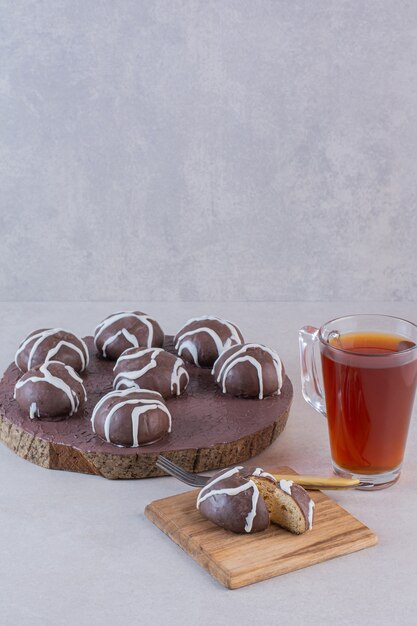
x: 203, y: 339
x: 131, y: 417
x: 51, y: 344
x: 232, y: 500
x: 250, y: 370
x: 151, y: 368
x: 127, y: 329
x: 51, y: 390
x: 245, y: 500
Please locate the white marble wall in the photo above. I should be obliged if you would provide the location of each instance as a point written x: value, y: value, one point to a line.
x: 208, y: 150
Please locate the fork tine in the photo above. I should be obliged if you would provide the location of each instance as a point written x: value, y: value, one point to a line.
x: 164, y: 462
x: 196, y: 479
x: 176, y: 470
x: 183, y: 479
x: 170, y: 467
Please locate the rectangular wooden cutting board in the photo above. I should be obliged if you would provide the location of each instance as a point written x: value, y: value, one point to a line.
x: 239, y: 560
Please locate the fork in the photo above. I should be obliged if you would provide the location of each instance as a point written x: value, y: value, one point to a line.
x: 309, y: 482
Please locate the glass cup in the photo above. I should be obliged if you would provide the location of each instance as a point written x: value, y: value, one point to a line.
x: 365, y: 385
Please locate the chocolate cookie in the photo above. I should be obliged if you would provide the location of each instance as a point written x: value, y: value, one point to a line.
x: 203, y: 339
x: 232, y: 500
x: 52, y: 344
x: 250, y: 370
x: 51, y: 390
x: 131, y: 418
x: 126, y: 329
x: 151, y: 368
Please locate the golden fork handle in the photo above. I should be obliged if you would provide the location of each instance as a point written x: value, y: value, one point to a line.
x: 319, y: 482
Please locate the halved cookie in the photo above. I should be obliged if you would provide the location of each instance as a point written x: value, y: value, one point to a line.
x: 288, y: 504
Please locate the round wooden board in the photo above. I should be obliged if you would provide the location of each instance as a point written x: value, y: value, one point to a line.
x: 210, y: 430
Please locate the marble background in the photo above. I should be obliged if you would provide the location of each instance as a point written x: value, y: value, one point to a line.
x: 208, y: 150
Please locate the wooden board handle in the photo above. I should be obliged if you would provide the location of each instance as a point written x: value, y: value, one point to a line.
x: 319, y: 482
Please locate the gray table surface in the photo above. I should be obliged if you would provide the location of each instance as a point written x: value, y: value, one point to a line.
x: 77, y: 549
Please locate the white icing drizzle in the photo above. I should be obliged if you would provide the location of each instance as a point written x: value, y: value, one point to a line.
x: 116, y: 394
x: 311, y: 506
x: 142, y: 405
x: 84, y: 345
x: 253, y: 362
x: 134, y: 375
x: 145, y: 405
x: 76, y: 377
x: 136, y: 413
x: 192, y: 349
x: 33, y: 411
x: 132, y: 379
x: 234, y: 330
x: 40, y: 338
x: 145, y: 319
x: 209, y: 331
x: 112, y: 394
x: 252, y: 513
x: 286, y: 485
x: 234, y: 359
x: 57, y: 382
x: 127, y: 384
x: 262, y: 474
x: 128, y: 336
x: 208, y: 491
x: 136, y: 354
x: 220, y: 346
x: 177, y: 371
x: 227, y: 474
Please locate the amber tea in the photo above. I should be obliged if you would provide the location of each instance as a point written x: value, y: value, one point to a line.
x: 368, y: 400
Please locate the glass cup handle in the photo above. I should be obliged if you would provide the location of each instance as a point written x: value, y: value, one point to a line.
x: 310, y: 382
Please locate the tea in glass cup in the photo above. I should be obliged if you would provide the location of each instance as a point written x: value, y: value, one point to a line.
x: 366, y: 390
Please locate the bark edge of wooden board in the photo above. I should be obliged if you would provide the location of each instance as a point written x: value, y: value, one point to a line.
x: 113, y: 466
x: 240, y: 560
